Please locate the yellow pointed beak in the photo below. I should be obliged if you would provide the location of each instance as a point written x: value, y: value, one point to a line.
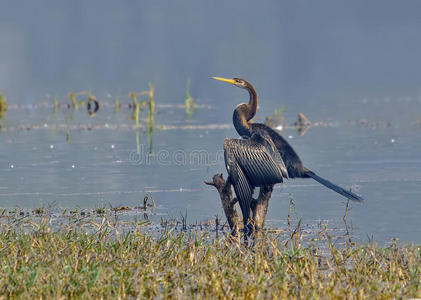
x: 232, y: 81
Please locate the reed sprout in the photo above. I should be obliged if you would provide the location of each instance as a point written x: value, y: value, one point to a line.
x: 150, y: 121
x: 72, y: 97
x: 3, y: 104
x: 139, y: 106
x: 276, y: 120
x: 151, y: 103
x: 116, y: 104
x: 189, y: 104
x: 56, y: 105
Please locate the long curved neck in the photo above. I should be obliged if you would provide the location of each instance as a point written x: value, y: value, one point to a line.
x: 242, y: 126
x: 244, y: 113
x: 252, y: 105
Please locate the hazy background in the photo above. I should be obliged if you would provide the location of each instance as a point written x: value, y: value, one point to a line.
x: 293, y: 51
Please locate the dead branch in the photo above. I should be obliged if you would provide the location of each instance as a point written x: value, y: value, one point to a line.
x: 259, y: 206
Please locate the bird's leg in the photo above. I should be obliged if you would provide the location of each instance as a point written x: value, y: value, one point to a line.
x: 259, y: 207
x: 225, y: 193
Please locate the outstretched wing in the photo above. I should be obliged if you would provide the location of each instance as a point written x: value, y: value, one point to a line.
x: 290, y: 157
x: 250, y: 163
x: 242, y: 187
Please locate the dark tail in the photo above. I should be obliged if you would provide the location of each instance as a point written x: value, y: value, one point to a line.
x: 335, y: 187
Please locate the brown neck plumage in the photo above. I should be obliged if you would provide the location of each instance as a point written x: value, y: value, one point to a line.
x: 252, y: 105
x: 245, y: 112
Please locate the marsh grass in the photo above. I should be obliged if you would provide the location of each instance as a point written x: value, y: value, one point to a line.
x: 92, y: 258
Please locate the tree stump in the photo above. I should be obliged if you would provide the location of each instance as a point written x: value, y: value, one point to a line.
x: 259, y: 206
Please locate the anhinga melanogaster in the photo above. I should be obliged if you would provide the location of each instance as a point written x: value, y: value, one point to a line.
x: 264, y: 157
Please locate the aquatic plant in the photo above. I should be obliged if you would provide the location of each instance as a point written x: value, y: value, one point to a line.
x: 73, y: 96
x: 278, y: 112
x: 148, y: 198
x: 150, y: 125
x: 56, y: 105
x: 116, y: 104
x: 136, y: 106
x: 189, y: 104
x: 139, y: 106
x: 151, y: 103
x: 68, y: 134
x: 3, y: 104
x: 276, y: 120
x: 133, y: 96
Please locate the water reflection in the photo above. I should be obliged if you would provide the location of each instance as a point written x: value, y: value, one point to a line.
x: 137, y: 107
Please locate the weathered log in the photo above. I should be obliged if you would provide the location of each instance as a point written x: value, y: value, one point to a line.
x: 259, y: 206
x: 228, y: 202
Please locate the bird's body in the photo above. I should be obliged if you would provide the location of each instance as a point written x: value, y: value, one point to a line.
x: 263, y: 157
x: 252, y: 162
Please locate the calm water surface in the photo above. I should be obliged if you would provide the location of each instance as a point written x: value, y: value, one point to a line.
x: 376, y: 154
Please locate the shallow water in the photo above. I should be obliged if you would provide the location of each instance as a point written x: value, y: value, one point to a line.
x: 71, y: 160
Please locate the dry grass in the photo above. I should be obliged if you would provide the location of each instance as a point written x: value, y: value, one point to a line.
x: 39, y: 261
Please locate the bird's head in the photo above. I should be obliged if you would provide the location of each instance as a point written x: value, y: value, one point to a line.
x: 238, y: 82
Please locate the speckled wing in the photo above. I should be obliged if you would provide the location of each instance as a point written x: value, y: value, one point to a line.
x: 262, y: 160
x: 250, y: 163
x: 242, y: 187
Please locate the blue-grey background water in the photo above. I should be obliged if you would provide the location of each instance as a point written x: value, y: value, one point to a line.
x: 353, y: 67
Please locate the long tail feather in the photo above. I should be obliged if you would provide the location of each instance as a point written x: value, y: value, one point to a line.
x: 335, y: 187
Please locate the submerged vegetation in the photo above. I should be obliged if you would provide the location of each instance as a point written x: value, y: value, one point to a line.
x: 87, y: 257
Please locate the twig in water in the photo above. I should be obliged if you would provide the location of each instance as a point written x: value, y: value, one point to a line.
x: 216, y: 225
x: 291, y: 206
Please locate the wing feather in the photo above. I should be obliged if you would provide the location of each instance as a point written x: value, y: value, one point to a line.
x: 242, y: 187
x: 250, y: 163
